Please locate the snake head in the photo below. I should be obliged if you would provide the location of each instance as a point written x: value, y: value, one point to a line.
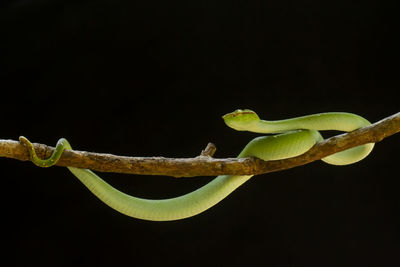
x: 241, y: 119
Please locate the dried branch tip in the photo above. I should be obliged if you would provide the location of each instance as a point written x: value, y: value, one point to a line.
x: 209, y: 151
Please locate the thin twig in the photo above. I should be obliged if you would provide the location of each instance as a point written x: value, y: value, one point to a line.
x: 205, y: 165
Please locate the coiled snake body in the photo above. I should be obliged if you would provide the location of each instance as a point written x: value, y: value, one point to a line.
x: 295, y: 137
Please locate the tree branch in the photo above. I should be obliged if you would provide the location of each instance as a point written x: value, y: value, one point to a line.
x: 205, y: 165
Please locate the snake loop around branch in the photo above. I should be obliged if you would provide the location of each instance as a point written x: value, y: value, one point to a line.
x: 293, y: 137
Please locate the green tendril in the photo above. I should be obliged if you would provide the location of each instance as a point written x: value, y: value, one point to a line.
x: 61, y: 145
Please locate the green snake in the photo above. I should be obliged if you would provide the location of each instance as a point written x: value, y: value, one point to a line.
x: 293, y: 137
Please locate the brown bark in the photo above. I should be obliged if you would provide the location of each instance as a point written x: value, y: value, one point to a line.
x: 205, y: 165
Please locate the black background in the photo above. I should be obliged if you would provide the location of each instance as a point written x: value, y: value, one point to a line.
x: 152, y: 78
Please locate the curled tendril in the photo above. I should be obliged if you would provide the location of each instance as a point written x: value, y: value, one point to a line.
x: 61, y: 145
